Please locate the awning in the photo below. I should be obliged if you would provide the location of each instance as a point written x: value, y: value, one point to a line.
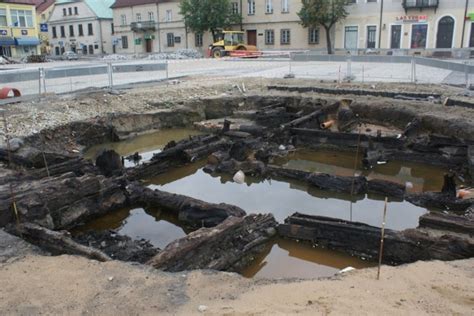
x: 471, y: 16
x: 27, y: 41
x: 7, y: 41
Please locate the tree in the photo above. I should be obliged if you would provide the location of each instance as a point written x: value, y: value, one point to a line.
x: 208, y: 15
x: 325, y: 13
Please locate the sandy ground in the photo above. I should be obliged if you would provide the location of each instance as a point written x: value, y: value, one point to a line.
x: 74, y: 285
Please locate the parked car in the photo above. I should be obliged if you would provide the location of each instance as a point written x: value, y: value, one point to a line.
x: 70, y: 55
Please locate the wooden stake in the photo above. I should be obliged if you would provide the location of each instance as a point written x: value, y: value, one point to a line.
x: 7, y: 137
x: 353, y: 173
x: 382, y: 237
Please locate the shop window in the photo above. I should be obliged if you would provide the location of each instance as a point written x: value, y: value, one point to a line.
x: 418, y: 35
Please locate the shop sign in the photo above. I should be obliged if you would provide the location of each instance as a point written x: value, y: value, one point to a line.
x: 3, y: 32
x: 411, y: 18
x: 24, y: 32
x: 43, y: 27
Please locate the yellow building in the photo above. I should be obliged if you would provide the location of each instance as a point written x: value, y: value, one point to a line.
x: 18, y: 29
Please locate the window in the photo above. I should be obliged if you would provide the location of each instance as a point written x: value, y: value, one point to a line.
x: 268, y: 6
x: 352, y: 1
x: 371, y: 35
x: 395, y: 36
x: 64, y: 11
x: 22, y: 18
x: 151, y: 16
x: 75, y: 11
x: 3, y: 17
x: 80, y: 30
x: 351, y: 37
x: 43, y: 17
x: 169, y: 15
x: 71, y: 30
x: 471, y: 39
x: 285, y: 37
x: 89, y: 29
x: 198, y: 40
x: 235, y: 7
x: 251, y: 7
x: 63, y: 33
x: 138, y: 17
x: 124, y: 42
x: 112, y: 28
x: 418, y: 35
x: 269, y: 37
x: 123, y: 20
x: 70, y: 11
x: 170, y: 39
x: 284, y: 6
x: 313, y: 36
x: 369, y: 1
x: 55, y: 35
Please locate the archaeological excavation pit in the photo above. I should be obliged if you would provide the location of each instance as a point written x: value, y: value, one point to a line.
x: 163, y: 189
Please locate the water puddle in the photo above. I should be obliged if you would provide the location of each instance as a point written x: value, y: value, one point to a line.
x: 423, y: 177
x: 159, y: 228
x: 290, y: 259
x: 282, y: 258
x: 146, y: 145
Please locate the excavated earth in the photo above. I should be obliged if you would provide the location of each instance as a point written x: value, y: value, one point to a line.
x: 40, y: 202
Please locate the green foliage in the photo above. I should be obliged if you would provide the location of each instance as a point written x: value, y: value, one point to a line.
x: 208, y: 15
x: 323, y: 13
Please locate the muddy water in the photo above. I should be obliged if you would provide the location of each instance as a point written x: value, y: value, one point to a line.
x: 282, y: 258
x: 290, y: 259
x: 423, y: 177
x: 283, y: 198
x: 153, y: 225
x: 146, y: 145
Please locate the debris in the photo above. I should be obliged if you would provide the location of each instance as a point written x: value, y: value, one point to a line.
x: 347, y: 269
x: 239, y: 177
x: 110, y: 278
x: 202, y: 308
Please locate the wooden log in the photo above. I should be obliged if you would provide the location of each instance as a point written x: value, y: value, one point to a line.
x: 78, y: 166
x: 255, y: 130
x: 439, y: 201
x: 448, y: 222
x: 63, y: 201
x: 363, y: 240
x: 301, y: 120
x: 190, y: 211
x: 57, y: 242
x: 230, y: 246
x: 196, y: 153
x: 386, y: 188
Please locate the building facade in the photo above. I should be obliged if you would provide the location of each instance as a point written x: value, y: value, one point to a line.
x: 401, y: 26
x: 18, y: 29
x: 81, y: 26
x: 407, y: 25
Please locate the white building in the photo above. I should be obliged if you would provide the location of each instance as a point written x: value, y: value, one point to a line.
x: 82, y: 26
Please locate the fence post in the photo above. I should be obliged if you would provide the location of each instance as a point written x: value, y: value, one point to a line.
x: 109, y: 72
x: 289, y: 65
x: 167, y: 65
x: 413, y: 70
x: 466, y: 75
x: 349, y: 68
x: 40, y: 70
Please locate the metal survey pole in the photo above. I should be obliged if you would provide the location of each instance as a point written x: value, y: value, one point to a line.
x: 349, y: 67
x: 289, y: 63
x: 413, y: 70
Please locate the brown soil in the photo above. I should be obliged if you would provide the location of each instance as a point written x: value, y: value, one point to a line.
x: 73, y: 285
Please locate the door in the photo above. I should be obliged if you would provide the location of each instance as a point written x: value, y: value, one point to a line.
x: 252, y: 37
x: 444, y: 38
x: 148, y: 45
x: 395, y: 36
x: 350, y: 37
x: 371, y: 35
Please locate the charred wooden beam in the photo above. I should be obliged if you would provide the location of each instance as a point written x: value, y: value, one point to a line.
x: 63, y: 201
x: 57, y: 242
x: 439, y: 201
x: 230, y: 246
x: 192, y: 212
x: 448, y: 222
x: 363, y: 240
x: 301, y: 120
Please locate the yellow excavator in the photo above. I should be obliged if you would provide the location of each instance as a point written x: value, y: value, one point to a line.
x: 231, y: 43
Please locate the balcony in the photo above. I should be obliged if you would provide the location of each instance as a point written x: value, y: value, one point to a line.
x: 420, y: 4
x: 143, y: 26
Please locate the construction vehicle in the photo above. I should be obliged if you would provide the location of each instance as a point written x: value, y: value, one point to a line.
x: 231, y: 43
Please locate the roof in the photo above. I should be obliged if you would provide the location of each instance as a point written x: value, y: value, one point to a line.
x: 131, y: 3
x: 30, y: 2
x: 101, y: 8
x: 42, y: 5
